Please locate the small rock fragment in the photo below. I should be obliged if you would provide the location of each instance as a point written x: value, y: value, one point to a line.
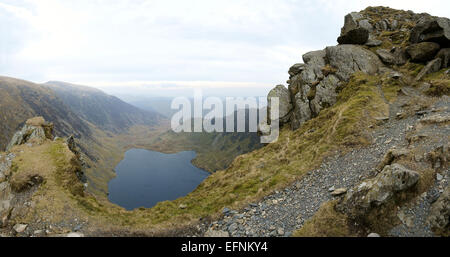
x: 20, y: 228
x: 339, y: 191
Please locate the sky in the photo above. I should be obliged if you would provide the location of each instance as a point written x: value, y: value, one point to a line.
x: 169, y: 47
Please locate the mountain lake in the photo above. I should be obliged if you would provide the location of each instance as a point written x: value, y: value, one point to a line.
x: 144, y: 178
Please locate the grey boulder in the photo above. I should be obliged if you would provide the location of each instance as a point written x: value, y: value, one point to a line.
x: 358, y: 36
x: 394, y: 56
x: 373, y: 42
x: 377, y: 191
x: 355, y: 30
x: 422, y: 52
x: 284, y: 100
x: 352, y: 58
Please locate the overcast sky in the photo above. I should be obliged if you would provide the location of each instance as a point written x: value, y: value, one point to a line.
x: 167, y: 47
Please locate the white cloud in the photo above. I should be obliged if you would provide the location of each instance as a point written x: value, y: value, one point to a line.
x: 118, y: 41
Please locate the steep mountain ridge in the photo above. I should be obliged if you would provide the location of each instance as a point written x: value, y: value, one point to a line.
x: 105, y: 111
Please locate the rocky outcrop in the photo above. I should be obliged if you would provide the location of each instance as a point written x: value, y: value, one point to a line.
x: 313, y: 85
x: 432, y: 29
x: 400, y: 37
x: 35, y: 130
x: 377, y: 191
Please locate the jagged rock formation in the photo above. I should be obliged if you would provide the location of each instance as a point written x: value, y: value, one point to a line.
x: 314, y: 85
x: 369, y: 40
x: 34, y: 130
x: 71, y: 144
x: 375, y: 192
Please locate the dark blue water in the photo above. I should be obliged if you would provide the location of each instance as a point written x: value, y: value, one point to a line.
x: 145, y: 178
